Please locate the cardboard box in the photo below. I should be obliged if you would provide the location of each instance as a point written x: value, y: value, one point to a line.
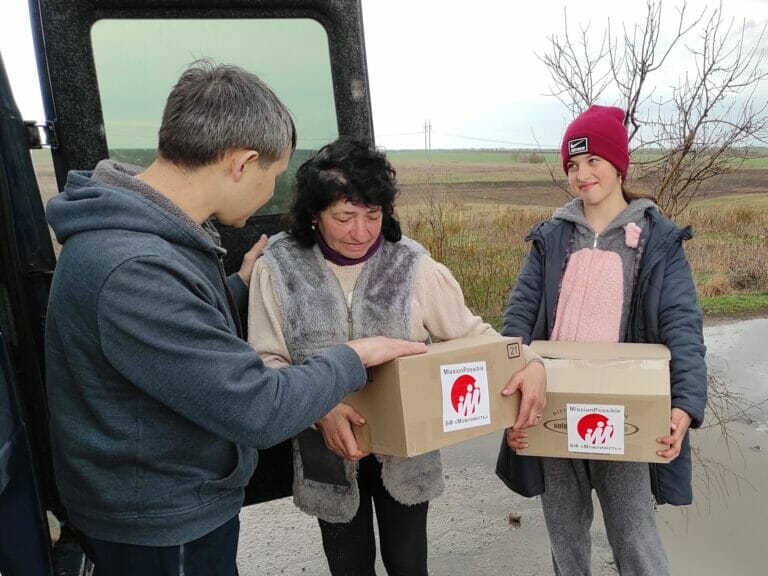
x: 419, y: 403
x: 604, y: 401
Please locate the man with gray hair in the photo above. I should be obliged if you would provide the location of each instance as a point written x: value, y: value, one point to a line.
x: 157, y: 404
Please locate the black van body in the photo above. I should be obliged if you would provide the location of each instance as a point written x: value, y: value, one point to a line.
x: 74, y: 134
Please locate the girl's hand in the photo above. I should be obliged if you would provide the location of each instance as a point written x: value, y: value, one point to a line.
x: 679, y: 422
x: 516, y: 439
x: 532, y: 383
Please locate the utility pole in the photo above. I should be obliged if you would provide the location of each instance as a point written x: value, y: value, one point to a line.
x: 427, y: 135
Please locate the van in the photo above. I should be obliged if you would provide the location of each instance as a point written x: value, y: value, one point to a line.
x: 105, y: 69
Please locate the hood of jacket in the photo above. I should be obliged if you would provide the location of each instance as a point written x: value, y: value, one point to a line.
x: 574, y: 212
x: 111, y: 198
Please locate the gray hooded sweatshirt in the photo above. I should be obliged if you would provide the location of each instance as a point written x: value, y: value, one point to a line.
x: 157, y: 405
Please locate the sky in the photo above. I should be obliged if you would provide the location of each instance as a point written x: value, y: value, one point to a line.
x: 473, y: 74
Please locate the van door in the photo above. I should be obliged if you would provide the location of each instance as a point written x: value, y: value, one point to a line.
x: 26, y: 264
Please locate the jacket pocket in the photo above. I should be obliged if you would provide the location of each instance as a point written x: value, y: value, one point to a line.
x: 237, y: 479
x: 318, y: 463
x: 672, y: 482
x: 521, y: 474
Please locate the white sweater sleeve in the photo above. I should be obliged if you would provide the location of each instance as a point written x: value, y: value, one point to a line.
x: 438, y: 308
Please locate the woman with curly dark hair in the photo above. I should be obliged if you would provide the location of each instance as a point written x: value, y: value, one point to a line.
x: 344, y: 270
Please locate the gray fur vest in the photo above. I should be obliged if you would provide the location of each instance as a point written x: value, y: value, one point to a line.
x: 315, y: 317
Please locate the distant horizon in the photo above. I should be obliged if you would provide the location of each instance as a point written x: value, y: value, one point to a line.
x: 518, y: 149
x: 458, y: 77
x: 758, y: 151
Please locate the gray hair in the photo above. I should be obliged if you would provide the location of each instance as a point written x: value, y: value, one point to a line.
x: 214, y: 109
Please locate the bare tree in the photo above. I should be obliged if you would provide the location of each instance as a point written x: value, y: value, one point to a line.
x: 682, y: 137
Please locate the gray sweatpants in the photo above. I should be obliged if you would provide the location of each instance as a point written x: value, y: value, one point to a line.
x: 624, y: 490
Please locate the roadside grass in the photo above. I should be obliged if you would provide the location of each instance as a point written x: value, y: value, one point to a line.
x: 729, y: 253
x: 483, y: 245
x: 734, y: 305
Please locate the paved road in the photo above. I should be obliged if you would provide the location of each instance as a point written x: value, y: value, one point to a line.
x: 470, y: 532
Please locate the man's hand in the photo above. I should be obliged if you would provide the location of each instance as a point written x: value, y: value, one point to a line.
x: 532, y: 383
x: 379, y: 349
x: 336, y: 427
x: 679, y: 422
x: 249, y: 260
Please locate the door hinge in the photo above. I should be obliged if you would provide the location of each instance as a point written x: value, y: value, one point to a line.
x: 40, y: 135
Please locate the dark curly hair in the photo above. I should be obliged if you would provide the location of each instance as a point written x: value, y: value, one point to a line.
x: 343, y: 170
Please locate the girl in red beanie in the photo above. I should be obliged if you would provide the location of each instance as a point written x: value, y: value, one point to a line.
x: 609, y: 267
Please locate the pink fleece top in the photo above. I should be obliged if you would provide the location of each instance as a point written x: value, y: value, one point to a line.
x: 591, y: 298
x: 597, y: 283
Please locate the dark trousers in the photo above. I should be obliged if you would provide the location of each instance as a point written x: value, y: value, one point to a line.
x: 351, y: 547
x: 214, y: 554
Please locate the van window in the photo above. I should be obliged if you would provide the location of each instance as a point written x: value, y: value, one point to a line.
x: 138, y: 61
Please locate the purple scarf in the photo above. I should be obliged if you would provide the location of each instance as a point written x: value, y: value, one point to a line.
x: 341, y: 260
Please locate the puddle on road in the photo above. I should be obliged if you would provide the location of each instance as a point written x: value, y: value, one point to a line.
x: 736, y: 355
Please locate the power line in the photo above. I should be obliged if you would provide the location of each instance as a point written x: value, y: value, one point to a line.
x: 419, y: 133
x: 427, y: 131
x: 479, y: 139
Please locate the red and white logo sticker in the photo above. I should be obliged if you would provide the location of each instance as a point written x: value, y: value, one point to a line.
x: 465, y: 396
x: 595, y: 428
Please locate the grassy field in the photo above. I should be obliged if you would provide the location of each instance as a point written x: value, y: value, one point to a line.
x: 476, y: 227
x: 472, y: 209
x: 483, y: 246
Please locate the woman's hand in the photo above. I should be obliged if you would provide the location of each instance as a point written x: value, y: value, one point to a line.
x: 336, y: 427
x: 532, y: 383
x: 249, y: 260
x: 679, y: 422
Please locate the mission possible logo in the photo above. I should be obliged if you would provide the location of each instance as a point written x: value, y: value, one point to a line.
x: 595, y: 428
x: 465, y: 395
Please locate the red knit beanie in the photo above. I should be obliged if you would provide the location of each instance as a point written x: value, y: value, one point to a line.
x: 599, y: 131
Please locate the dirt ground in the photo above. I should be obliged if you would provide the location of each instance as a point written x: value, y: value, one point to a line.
x: 500, y: 184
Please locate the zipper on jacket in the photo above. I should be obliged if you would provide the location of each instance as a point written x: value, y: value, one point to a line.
x: 655, y: 488
x: 347, y: 305
x: 594, y: 245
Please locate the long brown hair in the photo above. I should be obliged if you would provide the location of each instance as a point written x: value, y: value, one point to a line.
x: 630, y: 195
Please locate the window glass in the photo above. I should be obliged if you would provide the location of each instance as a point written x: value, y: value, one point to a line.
x: 138, y: 62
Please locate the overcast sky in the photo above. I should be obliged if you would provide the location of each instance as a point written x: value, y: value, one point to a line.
x: 473, y: 73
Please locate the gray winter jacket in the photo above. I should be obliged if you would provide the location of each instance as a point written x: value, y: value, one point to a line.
x: 157, y: 405
x: 663, y: 310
